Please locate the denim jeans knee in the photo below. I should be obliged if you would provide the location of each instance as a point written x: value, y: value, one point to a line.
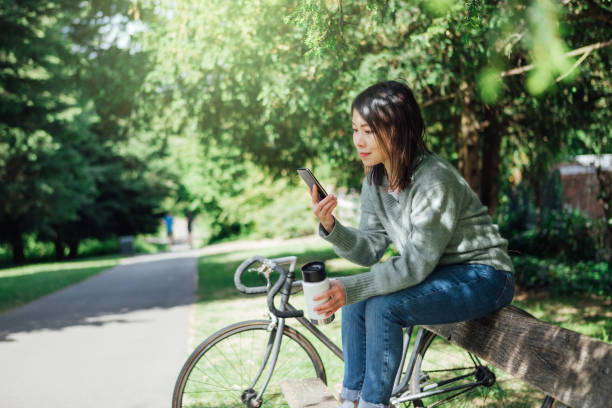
x: 372, y: 329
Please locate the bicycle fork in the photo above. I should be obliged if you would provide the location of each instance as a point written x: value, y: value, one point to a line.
x: 250, y: 397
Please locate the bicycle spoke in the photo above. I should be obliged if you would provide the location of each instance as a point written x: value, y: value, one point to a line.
x: 449, y: 369
x: 214, y: 366
x: 204, y: 374
x: 228, y: 364
x: 223, y: 354
x: 450, y: 397
x: 441, y: 363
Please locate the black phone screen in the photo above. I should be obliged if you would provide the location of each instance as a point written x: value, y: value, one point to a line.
x: 311, y: 180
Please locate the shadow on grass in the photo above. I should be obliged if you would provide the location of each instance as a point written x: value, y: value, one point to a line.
x: 589, y: 315
x: 21, y: 289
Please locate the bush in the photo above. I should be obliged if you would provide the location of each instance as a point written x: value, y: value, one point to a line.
x: 37, y: 250
x: 586, y: 277
x: 268, y: 208
x: 94, y: 247
x: 144, y: 247
x: 562, y: 234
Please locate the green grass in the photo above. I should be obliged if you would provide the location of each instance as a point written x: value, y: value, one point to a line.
x: 588, y: 315
x: 20, y: 285
x: 220, y: 304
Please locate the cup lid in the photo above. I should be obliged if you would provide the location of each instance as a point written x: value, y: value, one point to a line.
x: 314, y: 271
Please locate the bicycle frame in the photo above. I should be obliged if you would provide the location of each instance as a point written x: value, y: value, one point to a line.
x: 400, y: 391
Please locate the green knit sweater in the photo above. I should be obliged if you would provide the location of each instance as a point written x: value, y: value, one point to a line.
x: 438, y: 220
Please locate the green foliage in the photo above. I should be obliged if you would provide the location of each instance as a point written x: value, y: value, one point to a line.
x: 92, y: 247
x: 36, y: 249
x: 565, y: 235
x: 212, y: 105
x: 548, y: 49
x: 272, y: 208
x: 585, y: 277
x: 256, y: 206
x: 548, y: 231
x: 66, y: 97
x: 510, y: 26
x: 141, y: 246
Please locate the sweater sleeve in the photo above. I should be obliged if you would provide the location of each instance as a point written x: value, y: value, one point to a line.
x: 364, y: 246
x: 433, y: 217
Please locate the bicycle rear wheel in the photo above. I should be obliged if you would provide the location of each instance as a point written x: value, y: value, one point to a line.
x: 221, y: 369
x: 441, y: 365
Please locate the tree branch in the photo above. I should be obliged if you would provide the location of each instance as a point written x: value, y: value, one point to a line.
x: 341, y: 19
x: 586, y: 54
x: 583, y: 50
x: 439, y: 99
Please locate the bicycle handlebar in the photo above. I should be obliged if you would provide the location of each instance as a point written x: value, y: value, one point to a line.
x: 263, y: 289
x: 241, y: 269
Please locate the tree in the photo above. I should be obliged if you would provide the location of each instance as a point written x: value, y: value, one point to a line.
x: 453, y: 54
x: 42, y: 176
x: 270, y: 83
x: 129, y: 189
x: 69, y: 167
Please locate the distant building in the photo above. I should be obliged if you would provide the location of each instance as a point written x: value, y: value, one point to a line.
x: 580, y: 184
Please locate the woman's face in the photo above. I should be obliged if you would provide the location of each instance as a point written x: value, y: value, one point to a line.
x: 366, y: 143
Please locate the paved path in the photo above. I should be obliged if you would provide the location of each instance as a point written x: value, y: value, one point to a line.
x: 116, y: 340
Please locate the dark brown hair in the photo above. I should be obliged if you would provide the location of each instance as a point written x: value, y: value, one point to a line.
x: 391, y: 111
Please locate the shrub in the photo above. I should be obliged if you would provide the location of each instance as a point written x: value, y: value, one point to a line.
x: 562, y: 234
x: 94, y: 247
x: 144, y: 247
x: 585, y: 277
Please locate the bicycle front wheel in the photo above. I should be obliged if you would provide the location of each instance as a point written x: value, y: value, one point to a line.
x: 449, y: 376
x: 221, y: 370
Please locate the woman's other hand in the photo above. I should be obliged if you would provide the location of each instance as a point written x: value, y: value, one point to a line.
x: 337, y: 298
x: 323, y: 209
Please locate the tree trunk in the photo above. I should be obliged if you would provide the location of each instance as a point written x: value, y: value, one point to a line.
x: 467, y: 141
x: 73, y: 245
x: 489, y: 177
x: 59, y: 248
x: 537, y: 187
x: 605, y: 197
x: 18, y: 249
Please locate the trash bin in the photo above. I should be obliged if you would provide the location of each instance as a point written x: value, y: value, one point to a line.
x: 127, y: 245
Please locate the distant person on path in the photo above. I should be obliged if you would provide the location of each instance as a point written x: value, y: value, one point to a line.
x: 169, y: 219
x: 190, y: 228
x: 452, y: 264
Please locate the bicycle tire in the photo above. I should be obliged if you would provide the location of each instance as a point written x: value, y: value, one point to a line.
x: 228, y: 374
x: 438, y: 360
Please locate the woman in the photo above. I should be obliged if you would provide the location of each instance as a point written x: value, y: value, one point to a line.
x: 452, y: 266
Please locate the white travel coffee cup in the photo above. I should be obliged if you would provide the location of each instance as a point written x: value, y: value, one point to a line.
x: 315, y: 282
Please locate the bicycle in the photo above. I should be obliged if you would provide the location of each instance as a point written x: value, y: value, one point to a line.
x: 239, y: 366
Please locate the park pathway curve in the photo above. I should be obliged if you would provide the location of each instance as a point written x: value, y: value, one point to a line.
x: 116, y: 340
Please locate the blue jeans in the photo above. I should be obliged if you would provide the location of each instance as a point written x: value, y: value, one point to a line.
x: 372, y: 329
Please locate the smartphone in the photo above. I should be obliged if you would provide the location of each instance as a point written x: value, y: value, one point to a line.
x: 311, y: 180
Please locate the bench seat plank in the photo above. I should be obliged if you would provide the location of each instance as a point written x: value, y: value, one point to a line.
x: 573, y: 368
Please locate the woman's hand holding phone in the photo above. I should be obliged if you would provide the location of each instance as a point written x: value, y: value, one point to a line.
x: 323, y: 209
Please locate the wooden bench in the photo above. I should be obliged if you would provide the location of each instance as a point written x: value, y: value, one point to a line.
x: 574, y: 369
